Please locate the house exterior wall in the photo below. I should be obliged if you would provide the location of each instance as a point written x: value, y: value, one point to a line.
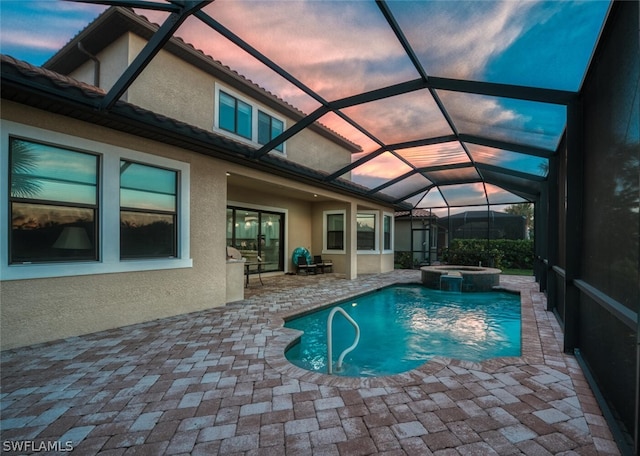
x: 36, y: 310
x: 74, y: 298
x: 367, y: 263
x: 177, y: 89
x: 339, y: 260
x: 297, y: 212
x: 312, y: 150
x: 118, y: 55
x: 172, y: 87
x: 45, y: 309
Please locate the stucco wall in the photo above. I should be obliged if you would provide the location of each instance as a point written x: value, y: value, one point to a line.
x: 375, y: 263
x: 37, y: 310
x: 312, y: 150
x: 118, y: 56
x: 46, y: 309
x: 366, y: 263
x: 176, y: 89
x: 339, y: 260
x: 298, y: 226
x: 388, y: 263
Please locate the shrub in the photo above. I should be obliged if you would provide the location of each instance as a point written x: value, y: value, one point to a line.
x: 498, y: 253
x: 402, y: 260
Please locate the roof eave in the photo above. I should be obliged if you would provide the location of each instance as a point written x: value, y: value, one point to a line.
x: 116, y: 21
x: 79, y: 103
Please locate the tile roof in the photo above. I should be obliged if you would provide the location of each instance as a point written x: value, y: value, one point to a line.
x: 33, y: 85
x: 116, y: 21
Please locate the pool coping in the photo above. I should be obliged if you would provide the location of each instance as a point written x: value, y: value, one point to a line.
x: 531, y: 349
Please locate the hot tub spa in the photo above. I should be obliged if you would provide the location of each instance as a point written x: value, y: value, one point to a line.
x: 460, y: 278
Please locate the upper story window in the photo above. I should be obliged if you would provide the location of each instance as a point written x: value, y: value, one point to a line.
x: 78, y: 207
x: 148, y: 197
x: 235, y: 115
x: 246, y: 120
x: 53, y: 203
x: 268, y: 128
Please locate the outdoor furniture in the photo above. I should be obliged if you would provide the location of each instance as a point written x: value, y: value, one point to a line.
x: 233, y: 253
x: 247, y: 269
x: 303, y: 265
x: 322, y: 264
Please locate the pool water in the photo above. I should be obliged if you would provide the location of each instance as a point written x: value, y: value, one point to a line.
x: 402, y: 327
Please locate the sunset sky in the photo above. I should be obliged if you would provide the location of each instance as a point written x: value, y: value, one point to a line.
x: 341, y: 48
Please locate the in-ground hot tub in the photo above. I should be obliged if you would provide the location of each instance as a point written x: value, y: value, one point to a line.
x: 471, y: 278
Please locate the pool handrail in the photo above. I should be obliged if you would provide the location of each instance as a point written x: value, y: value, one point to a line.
x: 330, y: 339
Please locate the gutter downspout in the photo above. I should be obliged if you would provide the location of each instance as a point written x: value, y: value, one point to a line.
x: 96, y: 67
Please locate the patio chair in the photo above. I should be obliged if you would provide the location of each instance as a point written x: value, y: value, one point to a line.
x: 304, y: 266
x: 322, y: 265
x: 233, y: 253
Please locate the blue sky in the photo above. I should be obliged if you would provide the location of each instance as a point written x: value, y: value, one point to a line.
x: 34, y: 30
x: 340, y: 48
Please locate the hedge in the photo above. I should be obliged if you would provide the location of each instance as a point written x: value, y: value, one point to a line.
x: 498, y: 253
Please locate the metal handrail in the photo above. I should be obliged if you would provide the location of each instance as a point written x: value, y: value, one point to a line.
x: 330, y: 340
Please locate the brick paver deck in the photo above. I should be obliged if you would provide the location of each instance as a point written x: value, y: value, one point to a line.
x: 217, y: 382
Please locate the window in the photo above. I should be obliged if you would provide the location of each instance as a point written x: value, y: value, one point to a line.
x: 268, y: 128
x: 366, y: 225
x: 334, y: 231
x: 235, y: 115
x: 53, y: 203
x: 387, y: 232
x: 245, y: 119
x: 93, y: 208
x: 148, y: 211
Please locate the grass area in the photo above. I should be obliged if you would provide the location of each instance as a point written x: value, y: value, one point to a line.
x: 524, y: 272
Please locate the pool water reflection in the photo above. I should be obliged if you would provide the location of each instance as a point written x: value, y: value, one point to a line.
x: 402, y: 327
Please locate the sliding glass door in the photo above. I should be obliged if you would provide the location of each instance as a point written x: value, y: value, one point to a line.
x: 257, y: 233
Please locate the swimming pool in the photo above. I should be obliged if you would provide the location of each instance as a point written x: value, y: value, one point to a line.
x: 404, y: 326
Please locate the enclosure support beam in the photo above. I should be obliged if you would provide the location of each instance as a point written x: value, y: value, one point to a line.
x: 540, y: 207
x: 151, y: 49
x: 351, y: 226
x: 573, y: 229
x: 553, y: 222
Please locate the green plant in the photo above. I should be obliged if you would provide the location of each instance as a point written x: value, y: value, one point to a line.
x: 402, y: 260
x: 499, y: 253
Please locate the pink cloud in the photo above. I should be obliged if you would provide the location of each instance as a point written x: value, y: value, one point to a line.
x: 28, y: 39
x: 391, y: 119
x: 386, y: 166
x: 332, y: 54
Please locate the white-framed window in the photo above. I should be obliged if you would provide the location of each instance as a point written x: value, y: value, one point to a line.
x: 368, y: 236
x: 244, y: 120
x: 53, y: 203
x: 268, y: 128
x: 148, y: 211
x: 235, y: 115
x: 333, y: 231
x: 76, y: 206
x: 387, y: 232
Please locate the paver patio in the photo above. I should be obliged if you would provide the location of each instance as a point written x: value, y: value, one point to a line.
x: 217, y: 382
